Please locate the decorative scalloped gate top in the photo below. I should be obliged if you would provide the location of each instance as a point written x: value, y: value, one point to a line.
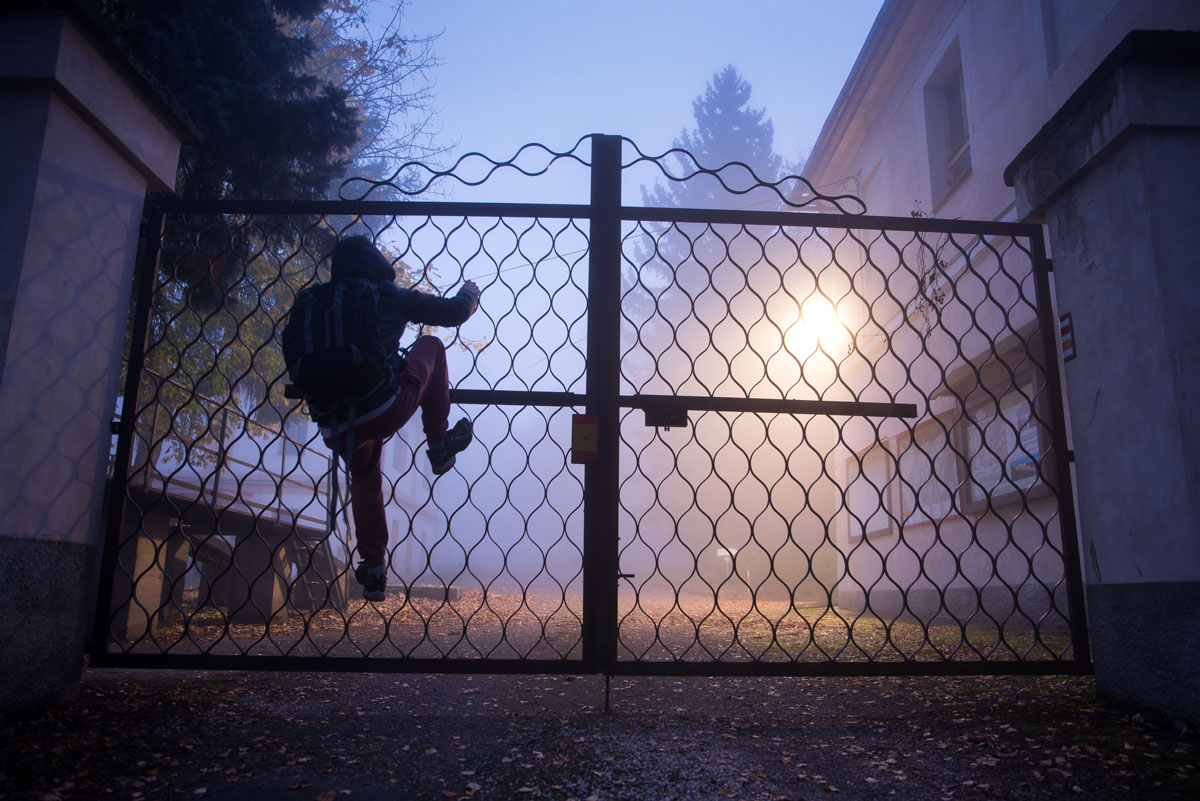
x: 825, y: 442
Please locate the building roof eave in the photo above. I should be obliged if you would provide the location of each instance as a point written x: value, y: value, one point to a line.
x: 883, y: 31
x: 893, y: 35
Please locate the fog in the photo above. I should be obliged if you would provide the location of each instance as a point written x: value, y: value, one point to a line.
x: 736, y: 509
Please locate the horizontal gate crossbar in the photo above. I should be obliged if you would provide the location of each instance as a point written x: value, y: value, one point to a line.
x: 376, y: 208
x: 702, y: 403
x: 428, y: 208
x: 1046, y: 667
x: 504, y: 397
x: 699, y: 403
x: 804, y: 219
x: 339, y: 664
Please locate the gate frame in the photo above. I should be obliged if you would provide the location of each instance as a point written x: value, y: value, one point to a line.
x: 601, y: 493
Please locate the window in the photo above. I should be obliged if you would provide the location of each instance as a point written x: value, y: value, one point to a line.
x: 931, y: 470
x: 1067, y: 23
x: 958, y: 145
x: 953, y: 464
x: 870, y: 493
x: 946, y: 127
x: 1003, y: 442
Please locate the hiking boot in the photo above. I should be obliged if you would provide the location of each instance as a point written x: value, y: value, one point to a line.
x: 441, y: 456
x: 373, y: 581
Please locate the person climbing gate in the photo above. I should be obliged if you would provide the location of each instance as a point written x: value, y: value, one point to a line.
x: 361, y: 390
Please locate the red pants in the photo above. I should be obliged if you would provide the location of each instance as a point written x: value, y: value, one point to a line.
x: 424, y: 384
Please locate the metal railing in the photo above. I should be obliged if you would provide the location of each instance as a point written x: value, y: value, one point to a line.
x: 828, y: 443
x: 252, y: 479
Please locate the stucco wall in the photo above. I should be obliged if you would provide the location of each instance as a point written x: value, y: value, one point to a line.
x: 877, y: 135
x: 90, y: 149
x: 1135, y: 299
x: 68, y: 322
x: 1114, y: 172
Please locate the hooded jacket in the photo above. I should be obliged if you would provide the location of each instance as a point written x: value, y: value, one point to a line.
x: 357, y: 257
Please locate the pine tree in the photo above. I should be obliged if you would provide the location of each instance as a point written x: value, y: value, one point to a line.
x: 737, y: 142
x: 679, y: 276
x: 268, y: 128
x: 274, y: 121
x: 727, y: 130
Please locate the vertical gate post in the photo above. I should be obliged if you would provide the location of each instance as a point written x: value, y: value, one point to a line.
x: 117, y: 491
x: 601, y: 485
x: 1065, y: 491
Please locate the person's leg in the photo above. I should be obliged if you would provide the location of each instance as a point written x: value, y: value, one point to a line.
x: 366, y: 496
x: 428, y: 376
x: 366, y: 479
x: 428, y: 386
x: 366, y: 501
x: 425, y: 385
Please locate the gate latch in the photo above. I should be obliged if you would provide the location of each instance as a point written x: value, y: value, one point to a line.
x: 668, y: 415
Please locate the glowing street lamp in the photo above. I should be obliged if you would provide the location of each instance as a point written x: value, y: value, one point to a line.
x: 816, y: 325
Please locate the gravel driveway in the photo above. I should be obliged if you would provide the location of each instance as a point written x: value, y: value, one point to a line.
x: 304, y: 736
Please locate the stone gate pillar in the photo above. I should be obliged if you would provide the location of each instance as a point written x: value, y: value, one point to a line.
x: 1116, y: 174
x: 84, y: 138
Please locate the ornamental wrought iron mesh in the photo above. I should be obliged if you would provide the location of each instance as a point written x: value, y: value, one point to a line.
x: 827, y: 442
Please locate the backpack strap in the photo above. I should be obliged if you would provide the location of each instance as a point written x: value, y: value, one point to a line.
x: 337, y: 499
x: 308, y: 332
x: 339, y: 325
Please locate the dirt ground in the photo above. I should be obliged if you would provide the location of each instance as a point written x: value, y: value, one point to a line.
x: 331, y: 737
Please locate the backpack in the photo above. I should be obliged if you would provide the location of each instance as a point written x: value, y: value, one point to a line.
x: 331, y: 342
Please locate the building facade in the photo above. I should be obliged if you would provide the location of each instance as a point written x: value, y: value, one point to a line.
x: 944, y: 95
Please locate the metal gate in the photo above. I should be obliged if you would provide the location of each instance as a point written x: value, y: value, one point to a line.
x: 707, y: 441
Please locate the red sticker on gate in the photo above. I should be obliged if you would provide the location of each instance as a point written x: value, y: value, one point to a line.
x: 584, y: 438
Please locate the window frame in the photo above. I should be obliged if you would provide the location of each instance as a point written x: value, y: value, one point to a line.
x: 948, y: 422
x: 956, y: 154
x: 889, y: 494
x: 1006, y: 492
x: 949, y: 164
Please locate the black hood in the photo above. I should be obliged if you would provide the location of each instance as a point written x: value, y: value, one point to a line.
x: 357, y: 257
